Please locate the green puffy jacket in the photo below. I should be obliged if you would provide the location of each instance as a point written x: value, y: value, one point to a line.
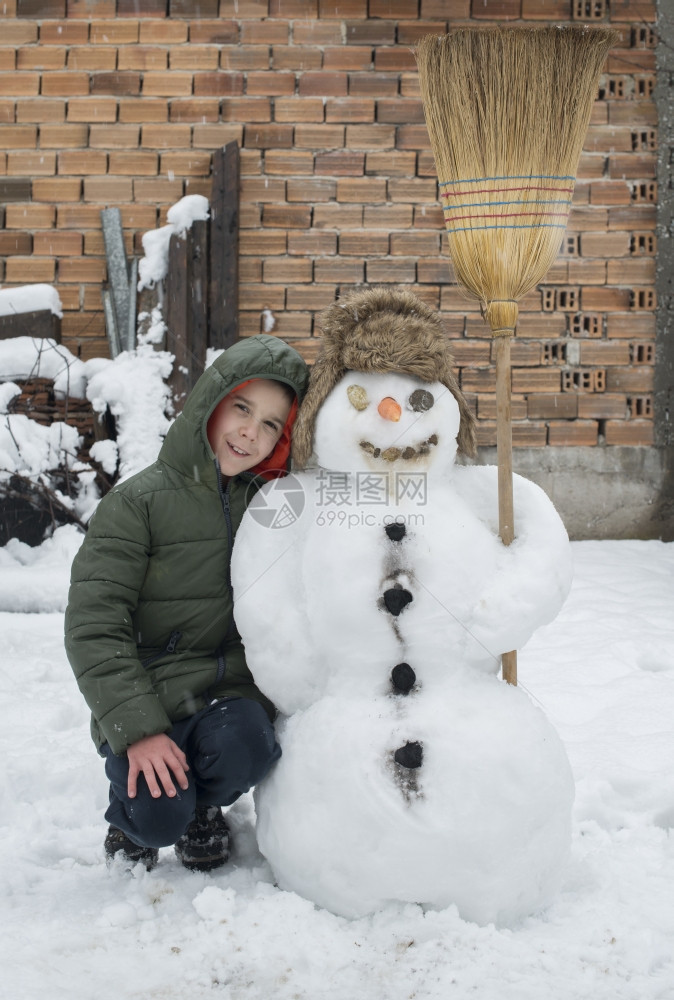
x: 149, y: 627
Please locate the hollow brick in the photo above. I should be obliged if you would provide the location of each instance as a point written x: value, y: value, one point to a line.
x: 629, y: 432
x: 340, y: 163
x: 28, y: 216
x: 212, y: 32
x: 315, y: 244
x: 263, y: 242
x: 401, y: 271
x: 339, y: 270
x: 116, y: 32
x: 57, y: 244
x: 323, y: 84
x: 350, y: 58
x: 245, y: 57
x: 27, y: 270
x: 143, y: 110
x: 204, y: 109
x: 336, y: 216
x: 579, y: 433
x: 82, y: 162
x: 41, y: 57
x: 311, y: 189
x: 143, y: 58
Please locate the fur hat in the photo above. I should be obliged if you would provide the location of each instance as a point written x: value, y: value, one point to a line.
x: 380, y: 329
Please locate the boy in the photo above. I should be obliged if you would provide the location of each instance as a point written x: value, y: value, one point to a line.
x: 149, y: 627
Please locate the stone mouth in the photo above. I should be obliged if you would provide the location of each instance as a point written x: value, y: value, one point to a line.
x: 407, y: 454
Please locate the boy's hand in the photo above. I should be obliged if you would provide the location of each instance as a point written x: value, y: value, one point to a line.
x: 156, y: 757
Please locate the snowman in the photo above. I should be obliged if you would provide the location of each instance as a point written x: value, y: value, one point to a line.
x: 375, y: 598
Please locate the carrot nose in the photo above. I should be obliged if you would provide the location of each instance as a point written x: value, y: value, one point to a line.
x: 389, y: 409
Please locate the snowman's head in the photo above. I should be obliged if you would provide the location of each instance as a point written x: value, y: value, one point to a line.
x: 386, y: 421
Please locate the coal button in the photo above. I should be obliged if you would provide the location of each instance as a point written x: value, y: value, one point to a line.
x: 403, y: 677
x: 409, y: 756
x: 396, y: 599
x: 396, y: 532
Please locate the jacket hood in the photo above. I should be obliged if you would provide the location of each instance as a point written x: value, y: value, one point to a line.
x: 186, y: 445
x: 380, y: 329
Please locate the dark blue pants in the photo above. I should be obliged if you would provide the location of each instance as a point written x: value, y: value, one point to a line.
x: 230, y: 746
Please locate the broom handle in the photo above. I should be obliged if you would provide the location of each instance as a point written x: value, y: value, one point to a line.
x: 504, y: 448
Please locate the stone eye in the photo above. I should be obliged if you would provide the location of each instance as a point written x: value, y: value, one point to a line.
x: 358, y: 397
x: 420, y: 400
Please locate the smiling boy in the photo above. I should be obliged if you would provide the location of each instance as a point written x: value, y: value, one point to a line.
x: 149, y: 628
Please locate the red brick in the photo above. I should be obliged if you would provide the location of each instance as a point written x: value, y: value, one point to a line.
x: 391, y: 164
x: 20, y: 85
x: 371, y: 32
x: 263, y: 242
x: 435, y: 269
x: 323, y: 84
x: 318, y: 137
x: 120, y: 84
x: 317, y: 33
x: 340, y: 163
x: 44, y: 58
x: 57, y: 244
x: 287, y: 216
x: 633, y: 166
x: 286, y: 270
x: 316, y: 244
x: 414, y: 244
x: 167, y: 32
x: 580, y: 433
x: 158, y: 189
x: 98, y: 109
x: 54, y: 33
x: 271, y: 32
x: 218, y: 84
x: 82, y: 162
x: 628, y: 380
x: 165, y: 136
x: 142, y: 57
x: 222, y: 32
x: 401, y: 111
x: 388, y: 217
x: 246, y: 109
x: 271, y: 84
x: 630, y: 325
x: 26, y: 270
x: 143, y: 110
x: 311, y: 189
x: 296, y: 57
x: 56, y: 189
x: 108, y: 190
x: 268, y: 136
x: 342, y: 8
x: 245, y: 57
x: 413, y: 137
x: 94, y: 58
x: 605, y: 244
x: 605, y: 299
x: 535, y: 380
x: 340, y: 271
x: 601, y: 405
x: 18, y: 216
x: 640, y: 271
x: 115, y: 32
x: 263, y: 189
x: 347, y: 57
x: 298, y: 109
x: 396, y: 59
x: 414, y: 189
x: 399, y: 270
x: 370, y: 137
x: 373, y: 85
x: 363, y: 189
x: 293, y: 8
x: 629, y: 432
x: 312, y: 296
x: 545, y: 10
x: 363, y: 243
x: 287, y: 163
x: 335, y: 216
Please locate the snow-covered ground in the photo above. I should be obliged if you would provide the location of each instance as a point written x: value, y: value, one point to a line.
x: 604, y: 673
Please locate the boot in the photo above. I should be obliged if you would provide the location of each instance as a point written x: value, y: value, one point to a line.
x: 205, y: 843
x: 118, y: 845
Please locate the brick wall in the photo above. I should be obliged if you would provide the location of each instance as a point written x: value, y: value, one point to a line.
x: 120, y: 103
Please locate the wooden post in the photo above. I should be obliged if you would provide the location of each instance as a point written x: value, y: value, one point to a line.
x: 223, y: 321
x: 178, y: 318
x: 504, y: 446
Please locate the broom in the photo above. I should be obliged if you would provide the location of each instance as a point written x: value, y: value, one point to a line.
x: 507, y: 109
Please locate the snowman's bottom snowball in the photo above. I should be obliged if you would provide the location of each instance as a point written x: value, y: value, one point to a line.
x: 488, y: 827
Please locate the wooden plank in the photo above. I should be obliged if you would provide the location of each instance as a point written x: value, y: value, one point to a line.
x: 178, y: 318
x: 118, y: 271
x: 41, y: 323
x: 199, y: 297
x: 223, y: 324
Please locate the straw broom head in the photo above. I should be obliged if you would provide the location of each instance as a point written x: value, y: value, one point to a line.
x: 507, y: 109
